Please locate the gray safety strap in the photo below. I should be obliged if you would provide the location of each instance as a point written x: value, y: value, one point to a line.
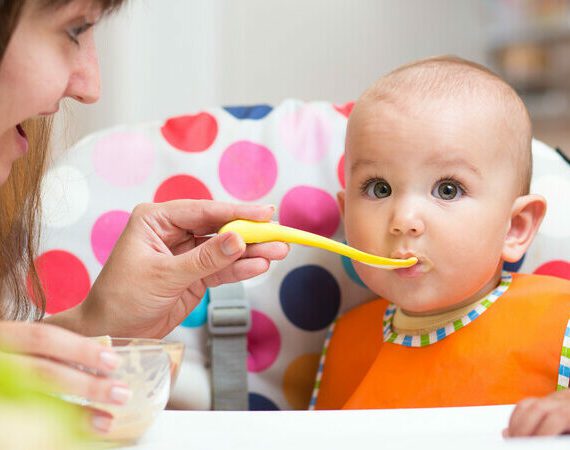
x: 229, y: 320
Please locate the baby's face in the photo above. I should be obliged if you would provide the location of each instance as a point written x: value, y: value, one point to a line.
x: 435, y: 183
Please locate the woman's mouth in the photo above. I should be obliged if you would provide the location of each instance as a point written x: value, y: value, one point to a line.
x: 22, y: 139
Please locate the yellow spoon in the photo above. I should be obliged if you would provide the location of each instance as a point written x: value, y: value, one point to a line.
x: 256, y: 232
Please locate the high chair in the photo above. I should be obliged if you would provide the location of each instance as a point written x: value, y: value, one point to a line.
x: 290, y: 155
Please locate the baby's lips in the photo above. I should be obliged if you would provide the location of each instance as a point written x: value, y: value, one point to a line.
x: 423, y: 261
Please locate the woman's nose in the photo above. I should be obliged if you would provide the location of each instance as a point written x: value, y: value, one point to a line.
x: 84, y: 82
x: 407, y: 220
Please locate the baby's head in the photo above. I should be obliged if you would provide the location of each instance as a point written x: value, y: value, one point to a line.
x: 438, y: 166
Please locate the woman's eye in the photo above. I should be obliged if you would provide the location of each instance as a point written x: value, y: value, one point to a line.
x: 75, y: 32
x: 378, y: 189
x: 447, y: 190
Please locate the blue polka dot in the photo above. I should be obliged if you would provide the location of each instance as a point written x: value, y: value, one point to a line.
x: 310, y: 297
x: 258, y: 402
x: 349, y: 269
x: 513, y: 267
x: 199, y: 315
x: 254, y: 112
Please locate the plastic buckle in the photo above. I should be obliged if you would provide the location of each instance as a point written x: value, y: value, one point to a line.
x: 229, y: 317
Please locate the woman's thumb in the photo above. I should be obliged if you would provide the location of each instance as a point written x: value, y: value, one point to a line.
x: 213, y: 255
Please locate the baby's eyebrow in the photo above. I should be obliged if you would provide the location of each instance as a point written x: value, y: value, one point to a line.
x: 363, y: 162
x: 454, y: 162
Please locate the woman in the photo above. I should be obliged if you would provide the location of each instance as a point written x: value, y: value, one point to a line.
x: 160, y: 267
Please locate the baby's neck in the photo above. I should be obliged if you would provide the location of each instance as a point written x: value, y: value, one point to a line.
x: 409, y: 322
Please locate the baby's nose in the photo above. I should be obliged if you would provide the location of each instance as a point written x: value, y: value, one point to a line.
x: 407, y: 222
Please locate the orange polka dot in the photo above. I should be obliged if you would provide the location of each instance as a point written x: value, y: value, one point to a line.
x: 299, y: 379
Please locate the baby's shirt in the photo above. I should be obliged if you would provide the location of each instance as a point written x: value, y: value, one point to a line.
x: 514, y: 343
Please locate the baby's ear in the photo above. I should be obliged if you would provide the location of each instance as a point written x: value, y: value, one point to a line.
x: 340, y: 200
x: 526, y: 215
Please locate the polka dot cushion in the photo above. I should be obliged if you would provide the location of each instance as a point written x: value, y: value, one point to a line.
x: 291, y: 156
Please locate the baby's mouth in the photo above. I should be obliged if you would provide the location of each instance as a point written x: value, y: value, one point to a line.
x: 423, y: 265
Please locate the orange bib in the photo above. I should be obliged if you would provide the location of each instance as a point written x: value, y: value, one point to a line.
x: 505, y: 351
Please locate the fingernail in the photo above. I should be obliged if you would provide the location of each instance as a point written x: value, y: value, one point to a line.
x: 231, y: 244
x: 109, y: 359
x: 120, y: 394
x: 101, y: 423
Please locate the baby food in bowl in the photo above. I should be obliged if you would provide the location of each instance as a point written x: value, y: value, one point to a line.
x: 148, y: 367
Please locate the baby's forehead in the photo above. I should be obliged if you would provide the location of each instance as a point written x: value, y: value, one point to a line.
x: 435, y: 88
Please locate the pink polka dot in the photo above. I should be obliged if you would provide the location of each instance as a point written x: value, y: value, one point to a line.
x: 64, y: 278
x: 263, y: 342
x: 105, y: 232
x: 556, y: 268
x: 310, y: 209
x: 124, y: 159
x: 191, y: 133
x: 340, y: 172
x: 345, y: 109
x: 248, y: 171
x: 306, y: 134
x: 182, y: 186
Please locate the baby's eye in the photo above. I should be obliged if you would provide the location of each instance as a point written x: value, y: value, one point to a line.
x: 447, y: 190
x: 378, y: 189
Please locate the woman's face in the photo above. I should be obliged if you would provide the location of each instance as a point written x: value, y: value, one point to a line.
x: 51, y: 55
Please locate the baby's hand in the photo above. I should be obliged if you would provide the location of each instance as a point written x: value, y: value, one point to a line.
x: 544, y: 416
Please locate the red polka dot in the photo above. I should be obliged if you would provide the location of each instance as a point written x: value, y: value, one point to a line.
x: 64, y: 278
x: 310, y: 209
x: 557, y: 268
x: 191, y: 133
x: 345, y: 109
x: 340, y: 172
x: 182, y: 186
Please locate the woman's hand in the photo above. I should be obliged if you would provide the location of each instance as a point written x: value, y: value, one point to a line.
x: 544, y: 416
x: 161, y: 266
x: 54, y: 355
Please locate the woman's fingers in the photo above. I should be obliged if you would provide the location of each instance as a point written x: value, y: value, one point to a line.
x: 268, y: 250
x: 242, y: 269
x: 554, y: 422
x: 525, y: 418
x: 207, y: 258
x: 199, y: 217
x: 274, y: 251
x: 545, y: 416
x: 50, y: 341
x: 68, y: 380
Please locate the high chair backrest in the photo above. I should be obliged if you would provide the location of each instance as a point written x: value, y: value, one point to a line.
x: 291, y: 156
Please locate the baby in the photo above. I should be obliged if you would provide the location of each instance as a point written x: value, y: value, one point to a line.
x: 438, y: 166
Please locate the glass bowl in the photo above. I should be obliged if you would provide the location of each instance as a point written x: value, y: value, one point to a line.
x: 148, y: 367
x: 175, y: 351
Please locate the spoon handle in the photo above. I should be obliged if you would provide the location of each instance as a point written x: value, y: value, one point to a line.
x: 257, y: 232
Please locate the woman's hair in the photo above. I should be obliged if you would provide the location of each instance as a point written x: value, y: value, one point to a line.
x: 20, y: 195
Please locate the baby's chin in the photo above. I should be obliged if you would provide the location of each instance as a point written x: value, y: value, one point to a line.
x: 414, y: 302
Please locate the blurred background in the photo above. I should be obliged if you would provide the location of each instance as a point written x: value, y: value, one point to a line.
x: 169, y: 57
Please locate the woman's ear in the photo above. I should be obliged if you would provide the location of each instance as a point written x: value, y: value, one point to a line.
x: 526, y: 215
x: 340, y: 200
